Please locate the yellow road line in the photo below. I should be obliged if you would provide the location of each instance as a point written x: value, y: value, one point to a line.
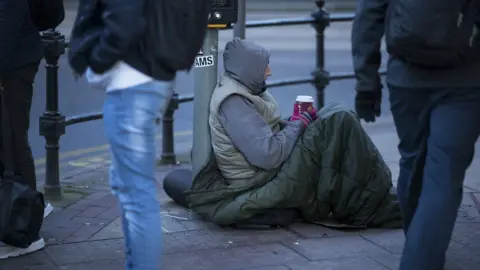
x: 97, y: 160
x: 84, y: 151
x: 87, y: 162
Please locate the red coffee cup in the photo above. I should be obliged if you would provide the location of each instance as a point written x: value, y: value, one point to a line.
x: 303, y: 104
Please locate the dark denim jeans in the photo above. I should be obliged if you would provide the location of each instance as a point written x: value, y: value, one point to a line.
x: 18, y: 87
x: 438, y: 129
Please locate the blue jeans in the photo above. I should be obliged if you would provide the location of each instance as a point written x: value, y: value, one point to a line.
x: 129, y: 117
x: 438, y: 129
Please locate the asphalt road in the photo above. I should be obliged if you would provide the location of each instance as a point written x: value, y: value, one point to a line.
x: 292, y: 55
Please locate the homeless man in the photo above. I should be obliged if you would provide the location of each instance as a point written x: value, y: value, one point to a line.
x: 324, y: 168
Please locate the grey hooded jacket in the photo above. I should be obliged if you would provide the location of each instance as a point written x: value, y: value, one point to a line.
x: 244, y: 117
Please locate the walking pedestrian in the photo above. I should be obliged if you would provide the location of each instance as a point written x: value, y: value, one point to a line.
x: 21, y: 50
x: 434, y: 88
x: 132, y: 50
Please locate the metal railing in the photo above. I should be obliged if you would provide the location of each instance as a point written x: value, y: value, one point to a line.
x: 53, y: 124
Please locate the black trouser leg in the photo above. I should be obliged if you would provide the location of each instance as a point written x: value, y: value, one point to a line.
x: 438, y: 129
x: 18, y: 87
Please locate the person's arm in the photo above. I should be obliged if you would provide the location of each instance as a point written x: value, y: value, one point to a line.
x: 253, y: 137
x: 124, y: 23
x: 12, y: 16
x: 367, y: 32
x: 284, y: 123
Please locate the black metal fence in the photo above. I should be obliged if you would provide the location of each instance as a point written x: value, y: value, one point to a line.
x: 53, y: 123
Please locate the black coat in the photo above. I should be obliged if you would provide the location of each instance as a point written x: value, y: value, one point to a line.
x: 20, y: 43
x: 367, y: 31
x: 108, y: 31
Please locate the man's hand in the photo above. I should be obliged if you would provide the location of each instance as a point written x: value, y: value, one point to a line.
x: 368, y: 105
x: 313, y: 114
x: 305, y: 117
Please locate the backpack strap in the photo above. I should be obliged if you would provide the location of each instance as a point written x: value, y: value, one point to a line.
x: 7, y: 152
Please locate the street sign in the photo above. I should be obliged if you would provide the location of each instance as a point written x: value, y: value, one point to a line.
x: 204, y: 61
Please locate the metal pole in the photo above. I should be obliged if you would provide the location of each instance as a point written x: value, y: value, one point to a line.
x: 168, y: 140
x: 52, y: 122
x: 205, y: 81
x: 321, y: 77
x: 239, y: 28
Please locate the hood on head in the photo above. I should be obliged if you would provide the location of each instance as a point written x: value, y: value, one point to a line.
x: 246, y: 62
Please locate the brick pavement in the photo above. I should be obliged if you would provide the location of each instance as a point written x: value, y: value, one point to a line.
x: 86, y: 234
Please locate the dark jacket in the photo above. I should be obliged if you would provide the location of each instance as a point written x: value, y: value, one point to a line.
x: 106, y: 32
x: 367, y: 32
x: 20, y: 43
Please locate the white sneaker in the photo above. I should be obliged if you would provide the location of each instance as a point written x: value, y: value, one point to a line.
x: 11, y: 251
x: 48, y: 210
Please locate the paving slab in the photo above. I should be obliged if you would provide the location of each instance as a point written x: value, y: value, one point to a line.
x: 389, y: 240
x: 458, y: 258
x: 336, y: 248
x: 223, y: 238
x: 273, y: 267
x: 86, y: 252
x: 35, y: 260
x: 111, y: 231
x: 233, y: 258
x: 350, y: 263
x: 468, y: 234
x: 310, y: 231
x: 104, y: 265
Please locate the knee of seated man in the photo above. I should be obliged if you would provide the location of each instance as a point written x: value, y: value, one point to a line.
x: 343, y: 116
x: 337, y: 109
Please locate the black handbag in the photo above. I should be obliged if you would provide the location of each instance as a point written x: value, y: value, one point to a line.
x: 21, y: 208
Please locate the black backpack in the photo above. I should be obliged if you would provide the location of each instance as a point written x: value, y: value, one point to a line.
x: 175, y: 31
x: 47, y: 14
x: 21, y: 208
x: 434, y: 34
